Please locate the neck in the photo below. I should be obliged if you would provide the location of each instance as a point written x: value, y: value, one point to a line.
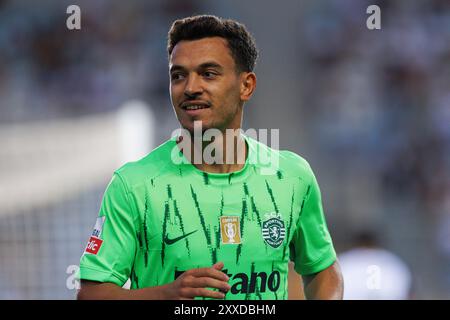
x: 226, y: 153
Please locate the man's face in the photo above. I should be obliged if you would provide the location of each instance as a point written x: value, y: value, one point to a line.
x: 203, y: 75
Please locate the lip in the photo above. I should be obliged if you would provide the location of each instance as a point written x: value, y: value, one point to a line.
x: 193, y: 102
x: 195, y: 112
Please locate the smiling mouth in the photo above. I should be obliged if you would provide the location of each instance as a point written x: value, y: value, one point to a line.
x: 195, y: 107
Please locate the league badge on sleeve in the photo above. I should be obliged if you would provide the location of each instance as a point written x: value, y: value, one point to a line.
x: 273, y: 230
x: 95, y: 242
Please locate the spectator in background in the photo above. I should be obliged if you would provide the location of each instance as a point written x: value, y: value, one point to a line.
x: 372, y: 272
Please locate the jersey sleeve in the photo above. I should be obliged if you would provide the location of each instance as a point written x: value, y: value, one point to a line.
x: 110, y: 251
x: 311, y: 248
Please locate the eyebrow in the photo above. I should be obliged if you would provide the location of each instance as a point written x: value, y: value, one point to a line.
x: 205, y: 65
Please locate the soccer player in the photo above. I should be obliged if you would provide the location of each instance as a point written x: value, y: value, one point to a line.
x: 200, y: 229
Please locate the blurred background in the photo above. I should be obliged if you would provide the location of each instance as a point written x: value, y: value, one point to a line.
x: 369, y: 110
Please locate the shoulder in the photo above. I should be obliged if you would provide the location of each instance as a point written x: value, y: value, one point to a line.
x: 152, y: 165
x: 295, y: 164
x: 285, y: 161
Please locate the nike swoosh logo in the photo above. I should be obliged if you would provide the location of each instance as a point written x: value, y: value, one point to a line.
x: 172, y: 241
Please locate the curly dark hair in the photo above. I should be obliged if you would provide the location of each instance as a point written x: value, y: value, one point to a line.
x: 240, y: 41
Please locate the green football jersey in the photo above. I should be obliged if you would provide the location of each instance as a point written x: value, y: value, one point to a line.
x: 159, y: 218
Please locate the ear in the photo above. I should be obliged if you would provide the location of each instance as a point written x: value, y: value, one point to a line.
x: 248, y: 85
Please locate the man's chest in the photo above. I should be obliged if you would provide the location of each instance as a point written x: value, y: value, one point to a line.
x: 197, y: 220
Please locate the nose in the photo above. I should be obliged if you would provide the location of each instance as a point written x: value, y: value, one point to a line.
x: 193, y: 86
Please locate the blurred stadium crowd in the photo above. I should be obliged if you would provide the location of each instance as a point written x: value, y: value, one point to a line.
x: 49, y: 71
x: 373, y: 108
x: 382, y: 114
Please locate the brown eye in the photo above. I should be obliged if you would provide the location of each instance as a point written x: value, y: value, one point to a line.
x: 209, y: 74
x: 176, y: 76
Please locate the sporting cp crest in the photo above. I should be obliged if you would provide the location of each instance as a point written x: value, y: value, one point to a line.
x: 273, y: 230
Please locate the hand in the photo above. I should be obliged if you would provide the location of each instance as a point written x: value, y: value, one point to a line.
x: 194, y: 283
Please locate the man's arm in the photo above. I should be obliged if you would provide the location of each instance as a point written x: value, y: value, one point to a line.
x: 327, y: 284
x: 192, y: 283
x: 92, y: 290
